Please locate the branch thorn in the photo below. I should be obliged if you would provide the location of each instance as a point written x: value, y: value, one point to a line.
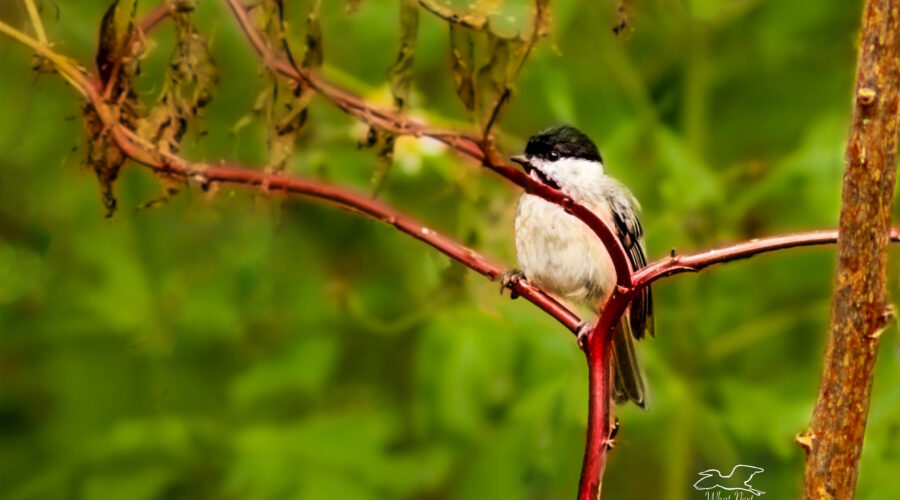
x: 583, y: 333
x: 805, y: 439
x: 888, y: 316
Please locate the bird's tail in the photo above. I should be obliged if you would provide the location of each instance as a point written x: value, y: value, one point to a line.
x: 628, y: 381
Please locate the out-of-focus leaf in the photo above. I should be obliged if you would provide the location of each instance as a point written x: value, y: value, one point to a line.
x: 402, y: 71
x: 304, y: 369
x: 382, y: 142
x: 462, y: 58
x: 471, y: 21
x: 622, y: 26
x: 314, y: 53
x: 401, y: 75
x: 494, y: 76
x: 485, y: 83
x: 259, y: 106
x: 286, y: 104
x: 353, y: 6
x: 543, y: 19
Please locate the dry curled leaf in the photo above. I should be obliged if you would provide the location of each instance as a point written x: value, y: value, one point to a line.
x: 104, y: 156
x: 401, y: 75
x: 188, y: 88
x: 467, y: 20
x: 402, y: 71
x: 285, y: 105
x: 116, y: 68
x: 116, y: 29
x: 485, y: 63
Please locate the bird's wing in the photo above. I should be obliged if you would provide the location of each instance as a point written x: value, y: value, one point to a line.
x: 629, y: 230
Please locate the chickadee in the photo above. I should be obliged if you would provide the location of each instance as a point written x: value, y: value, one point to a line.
x: 560, y: 254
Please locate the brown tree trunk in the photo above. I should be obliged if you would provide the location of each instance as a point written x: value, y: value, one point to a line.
x: 838, y: 423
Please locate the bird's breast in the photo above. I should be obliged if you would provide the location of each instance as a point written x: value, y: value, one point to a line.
x: 560, y: 254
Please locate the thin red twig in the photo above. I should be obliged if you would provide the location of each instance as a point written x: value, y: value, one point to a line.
x: 677, y: 264
x: 598, y: 343
x: 205, y: 174
x: 153, y: 18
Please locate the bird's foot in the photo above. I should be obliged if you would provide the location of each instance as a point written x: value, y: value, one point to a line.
x: 613, y: 431
x: 508, y: 279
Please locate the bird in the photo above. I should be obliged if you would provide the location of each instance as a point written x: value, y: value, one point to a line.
x: 560, y: 254
x: 712, y: 478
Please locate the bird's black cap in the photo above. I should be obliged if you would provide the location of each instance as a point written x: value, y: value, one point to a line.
x: 563, y: 141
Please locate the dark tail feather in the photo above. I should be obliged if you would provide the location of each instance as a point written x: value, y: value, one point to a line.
x: 628, y: 382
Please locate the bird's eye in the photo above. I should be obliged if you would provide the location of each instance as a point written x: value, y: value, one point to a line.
x: 553, y: 155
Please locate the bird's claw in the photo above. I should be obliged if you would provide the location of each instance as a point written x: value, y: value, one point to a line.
x: 611, y: 439
x: 510, y: 278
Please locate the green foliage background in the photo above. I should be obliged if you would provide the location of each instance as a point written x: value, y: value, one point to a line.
x: 237, y: 346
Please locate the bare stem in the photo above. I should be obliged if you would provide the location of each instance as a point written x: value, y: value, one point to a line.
x: 36, y: 21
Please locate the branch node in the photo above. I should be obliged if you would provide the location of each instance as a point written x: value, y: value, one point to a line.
x: 582, y: 334
x: 866, y: 96
x: 509, y: 279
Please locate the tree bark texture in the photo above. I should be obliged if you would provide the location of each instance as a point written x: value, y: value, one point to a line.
x: 835, y: 438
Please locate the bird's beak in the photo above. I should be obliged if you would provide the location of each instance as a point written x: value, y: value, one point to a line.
x: 521, y: 160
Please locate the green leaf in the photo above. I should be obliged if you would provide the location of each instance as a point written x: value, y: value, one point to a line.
x: 353, y: 6
x: 401, y: 72
x: 462, y: 63
x: 314, y: 55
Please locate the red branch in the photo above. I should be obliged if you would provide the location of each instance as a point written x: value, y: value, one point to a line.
x: 597, y: 345
x: 153, y: 18
x: 696, y: 263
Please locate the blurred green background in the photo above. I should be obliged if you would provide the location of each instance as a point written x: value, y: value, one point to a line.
x: 238, y: 346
